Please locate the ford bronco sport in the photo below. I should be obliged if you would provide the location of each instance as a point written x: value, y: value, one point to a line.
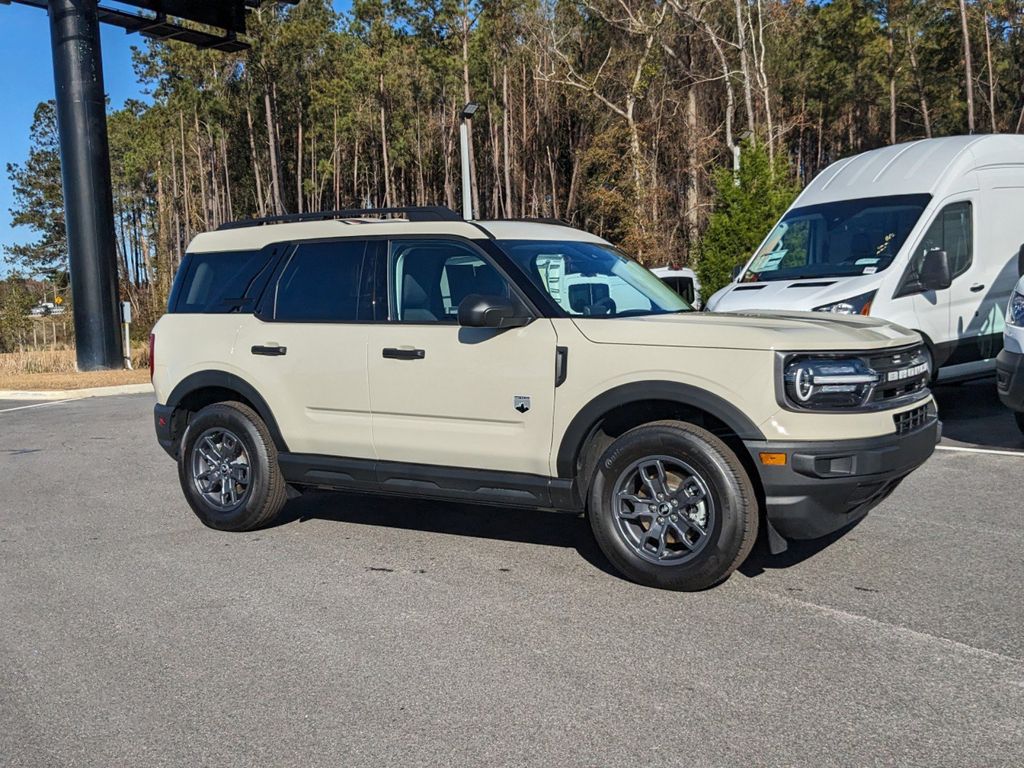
x: 524, y: 363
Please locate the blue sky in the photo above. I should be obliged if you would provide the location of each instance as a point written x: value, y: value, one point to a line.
x: 26, y: 78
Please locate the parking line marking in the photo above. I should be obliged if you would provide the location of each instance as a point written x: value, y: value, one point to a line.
x: 978, y: 450
x: 36, y: 405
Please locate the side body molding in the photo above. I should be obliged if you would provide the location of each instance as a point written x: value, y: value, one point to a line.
x: 225, y: 380
x: 683, y: 394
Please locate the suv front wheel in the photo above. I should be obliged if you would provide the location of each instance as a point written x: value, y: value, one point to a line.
x: 228, y: 468
x: 672, y: 507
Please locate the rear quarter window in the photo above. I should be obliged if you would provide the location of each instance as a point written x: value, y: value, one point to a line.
x: 218, y: 282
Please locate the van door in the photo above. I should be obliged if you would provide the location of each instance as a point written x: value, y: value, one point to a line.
x: 305, y: 348
x: 444, y: 395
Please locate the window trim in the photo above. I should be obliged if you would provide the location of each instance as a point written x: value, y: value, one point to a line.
x: 906, y: 287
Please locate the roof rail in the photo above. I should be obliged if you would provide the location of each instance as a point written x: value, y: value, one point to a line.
x: 412, y: 213
x: 539, y: 220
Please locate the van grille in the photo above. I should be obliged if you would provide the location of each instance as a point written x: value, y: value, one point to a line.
x: 908, y: 421
x: 904, y: 374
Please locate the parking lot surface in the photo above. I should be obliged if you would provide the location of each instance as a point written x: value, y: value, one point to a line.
x: 365, y: 631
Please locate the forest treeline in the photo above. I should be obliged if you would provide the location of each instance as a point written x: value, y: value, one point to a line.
x: 620, y: 116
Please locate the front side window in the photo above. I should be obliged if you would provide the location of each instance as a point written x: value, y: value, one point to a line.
x: 839, y: 239
x: 952, y: 231
x: 324, y: 283
x: 430, y: 278
x: 592, y: 279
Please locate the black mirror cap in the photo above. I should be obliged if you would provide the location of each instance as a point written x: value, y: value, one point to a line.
x: 486, y: 311
x: 1020, y: 261
x: 935, y: 272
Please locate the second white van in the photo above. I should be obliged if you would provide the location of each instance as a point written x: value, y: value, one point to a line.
x: 927, y: 235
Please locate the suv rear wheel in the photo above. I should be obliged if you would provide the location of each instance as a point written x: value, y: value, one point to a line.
x: 672, y: 507
x: 228, y: 468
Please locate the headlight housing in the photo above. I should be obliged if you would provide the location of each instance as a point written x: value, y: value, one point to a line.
x: 856, y: 305
x: 1015, y: 310
x: 822, y: 383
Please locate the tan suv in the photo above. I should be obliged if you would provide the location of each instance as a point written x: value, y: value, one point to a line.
x: 524, y: 363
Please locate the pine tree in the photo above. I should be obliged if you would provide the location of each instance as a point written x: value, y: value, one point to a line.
x: 747, y: 205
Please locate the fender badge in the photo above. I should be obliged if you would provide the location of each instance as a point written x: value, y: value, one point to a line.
x: 521, y: 403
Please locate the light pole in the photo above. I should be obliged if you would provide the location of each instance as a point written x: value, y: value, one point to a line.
x: 467, y: 179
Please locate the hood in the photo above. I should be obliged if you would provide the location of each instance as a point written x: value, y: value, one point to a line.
x: 784, y: 331
x: 792, y: 294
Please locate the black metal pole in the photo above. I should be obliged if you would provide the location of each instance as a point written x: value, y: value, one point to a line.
x: 85, y: 170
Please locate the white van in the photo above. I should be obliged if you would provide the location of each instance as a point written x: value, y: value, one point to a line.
x: 925, y: 234
x: 683, y: 281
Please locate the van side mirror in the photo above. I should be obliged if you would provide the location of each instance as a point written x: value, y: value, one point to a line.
x: 738, y: 270
x: 935, y: 272
x: 480, y: 311
x: 1020, y: 261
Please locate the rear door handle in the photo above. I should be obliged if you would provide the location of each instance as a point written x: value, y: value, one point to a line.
x: 404, y: 353
x: 270, y: 350
x: 977, y: 287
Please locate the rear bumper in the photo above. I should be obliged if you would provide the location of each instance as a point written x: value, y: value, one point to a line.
x: 826, y: 485
x: 163, y: 421
x: 1010, y: 379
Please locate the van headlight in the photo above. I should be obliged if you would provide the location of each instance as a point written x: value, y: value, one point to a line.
x: 1015, y: 310
x: 821, y: 383
x: 856, y: 305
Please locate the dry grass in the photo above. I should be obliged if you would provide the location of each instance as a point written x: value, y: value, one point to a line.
x: 55, y: 369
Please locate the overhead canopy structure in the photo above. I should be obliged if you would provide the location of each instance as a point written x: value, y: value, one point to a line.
x: 84, y: 150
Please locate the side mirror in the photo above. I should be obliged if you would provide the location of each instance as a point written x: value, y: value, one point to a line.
x: 1020, y: 261
x: 935, y: 272
x: 738, y: 270
x: 480, y: 311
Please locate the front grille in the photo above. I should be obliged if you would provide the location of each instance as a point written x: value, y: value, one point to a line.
x: 908, y: 421
x: 904, y: 374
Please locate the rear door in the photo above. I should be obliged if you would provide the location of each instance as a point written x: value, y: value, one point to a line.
x: 444, y: 395
x: 305, y: 348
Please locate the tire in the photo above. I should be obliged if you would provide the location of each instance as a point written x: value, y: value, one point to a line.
x: 719, y: 530
x: 256, y: 494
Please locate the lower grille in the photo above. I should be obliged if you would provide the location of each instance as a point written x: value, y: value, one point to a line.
x: 908, y: 421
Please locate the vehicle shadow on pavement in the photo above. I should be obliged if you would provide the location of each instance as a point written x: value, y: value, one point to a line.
x: 524, y: 526
x: 972, y: 415
x: 761, y: 560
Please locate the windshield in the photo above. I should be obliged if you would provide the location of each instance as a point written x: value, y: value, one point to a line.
x: 849, y: 237
x: 593, y: 280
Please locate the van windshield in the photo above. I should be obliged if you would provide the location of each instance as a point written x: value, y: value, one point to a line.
x: 593, y: 280
x: 848, y: 237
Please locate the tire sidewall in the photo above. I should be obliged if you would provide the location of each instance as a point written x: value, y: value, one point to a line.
x: 718, y: 556
x: 244, y: 515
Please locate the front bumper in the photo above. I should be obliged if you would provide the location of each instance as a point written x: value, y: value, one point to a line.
x: 1010, y: 379
x: 825, y: 485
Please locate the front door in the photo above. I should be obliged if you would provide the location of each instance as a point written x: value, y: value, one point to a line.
x: 450, y: 396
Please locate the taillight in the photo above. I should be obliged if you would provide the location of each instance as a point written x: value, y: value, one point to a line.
x: 152, y: 350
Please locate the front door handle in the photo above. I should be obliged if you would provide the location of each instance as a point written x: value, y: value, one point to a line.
x: 404, y: 353
x: 270, y: 350
x: 977, y: 287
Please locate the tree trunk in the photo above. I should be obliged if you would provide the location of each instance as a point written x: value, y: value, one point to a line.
x: 261, y: 203
x: 991, y: 75
x: 275, y: 169
x: 384, y: 145
x: 968, y: 69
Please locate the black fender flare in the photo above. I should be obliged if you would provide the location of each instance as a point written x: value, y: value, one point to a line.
x: 225, y: 380
x: 684, y: 394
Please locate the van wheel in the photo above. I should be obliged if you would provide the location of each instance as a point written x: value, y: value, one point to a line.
x: 672, y: 507
x: 228, y: 469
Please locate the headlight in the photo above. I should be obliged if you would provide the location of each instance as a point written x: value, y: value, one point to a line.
x: 824, y: 383
x: 858, y: 305
x: 1015, y: 310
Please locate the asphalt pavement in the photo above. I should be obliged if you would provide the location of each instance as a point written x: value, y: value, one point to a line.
x: 365, y: 632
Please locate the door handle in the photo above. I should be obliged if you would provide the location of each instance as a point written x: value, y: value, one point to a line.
x: 977, y: 287
x: 270, y: 350
x: 404, y: 353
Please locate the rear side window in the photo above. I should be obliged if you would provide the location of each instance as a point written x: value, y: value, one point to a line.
x: 217, y: 282
x: 325, y: 283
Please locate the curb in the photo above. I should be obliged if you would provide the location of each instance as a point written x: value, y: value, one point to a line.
x: 75, y: 394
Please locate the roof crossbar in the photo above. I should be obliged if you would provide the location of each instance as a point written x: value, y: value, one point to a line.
x: 412, y: 213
